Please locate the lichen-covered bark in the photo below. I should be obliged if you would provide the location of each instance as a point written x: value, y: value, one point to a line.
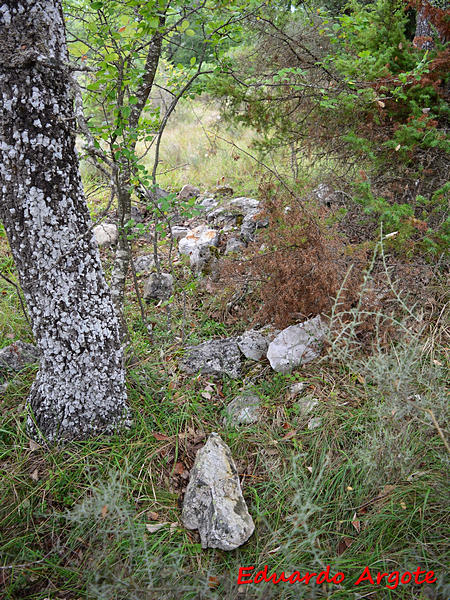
x: 80, y: 389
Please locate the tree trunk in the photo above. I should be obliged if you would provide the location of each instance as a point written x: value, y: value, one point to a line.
x: 79, y: 390
x: 424, y: 32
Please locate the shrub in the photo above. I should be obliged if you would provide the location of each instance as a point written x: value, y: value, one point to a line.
x: 301, y: 267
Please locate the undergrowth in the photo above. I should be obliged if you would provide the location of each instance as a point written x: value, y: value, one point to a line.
x: 365, y: 486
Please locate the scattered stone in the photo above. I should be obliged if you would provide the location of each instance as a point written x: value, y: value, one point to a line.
x: 188, y: 191
x: 234, y: 245
x: 296, y: 345
x: 200, y: 259
x: 326, y: 195
x: 213, y: 502
x: 106, y: 234
x: 209, y: 203
x: 314, y: 423
x: 245, y: 205
x: 244, y: 409
x: 138, y: 215
x: 144, y: 264
x: 306, y: 405
x: 252, y: 221
x: 224, y: 218
x: 297, y: 388
x: 195, y: 238
x: 179, y: 232
x: 223, y: 190
x: 215, y: 357
x: 16, y: 356
x: 253, y: 344
x: 158, y: 287
x: 196, y: 245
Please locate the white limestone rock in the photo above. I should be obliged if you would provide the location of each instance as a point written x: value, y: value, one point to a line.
x: 215, y: 357
x: 17, y: 355
x: 296, y: 345
x: 213, y: 502
x: 159, y: 287
x: 244, y: 410
x: 106, y: 234
x: 188, y: 191
x: 234, y: 245
x: 197, y: 243
x: 144, y: 263
x: 253, y: 344
x: 179, y: 232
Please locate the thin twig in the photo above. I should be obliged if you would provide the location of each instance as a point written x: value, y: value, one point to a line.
x: 22, y: 304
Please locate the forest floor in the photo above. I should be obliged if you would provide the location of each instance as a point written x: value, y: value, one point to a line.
x: 366, y: 487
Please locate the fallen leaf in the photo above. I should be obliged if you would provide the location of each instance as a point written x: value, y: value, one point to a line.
x: 160, y: 436
x: 179, y: 468
x: 356, y: 523
x: 153, y: 515
x: 153, y: 528
x: 381, y: 103
x: 33, y: 446
x: 206, y: 395
x: 403, y: 505
x: 213, y: 581
x: 344, y: 543
x: 121, y: 29
x: 289, y: 435
x: 104, y: 511
x: 35, y: 475
x: 310, y: 469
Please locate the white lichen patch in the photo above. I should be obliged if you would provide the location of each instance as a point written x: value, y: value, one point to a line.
x: 80, y: 388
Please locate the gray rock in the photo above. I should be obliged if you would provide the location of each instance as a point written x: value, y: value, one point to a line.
x: 144, y: 264
x: 223, y: 190
x: 326, y: 195
x: 195, y: 238
x: 224, y: 218
x: 234, y: 245
x: 159, y: 287
x: 306, y: 405
x: 188, y: 191
x: 137, y: 214
x: 252, y: 221
x: 297, y: 388
x: 314, y: 423
x: 296, y: 345
x: 16, y: 356
x: 209, y: 203
x: 252, y: 344
x: 215, y: 357
x: 106, y: 234
x: 179, y: 233
x: 244, y: 409
x: 213, y: 502
x: 196, y: 245
x: 245, y: 205
x: 200, y: 258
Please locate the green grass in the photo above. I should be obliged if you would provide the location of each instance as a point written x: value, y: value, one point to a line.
x: 73, y: 518
x: 366, y: 487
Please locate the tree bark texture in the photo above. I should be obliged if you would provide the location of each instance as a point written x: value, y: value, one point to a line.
x: 79, y: 390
